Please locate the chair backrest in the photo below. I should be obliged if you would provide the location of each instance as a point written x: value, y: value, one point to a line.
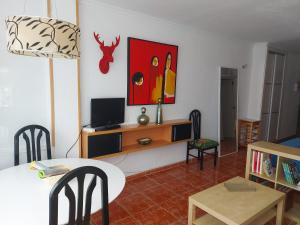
x: 79, y: 173
x: 33, y: 143
x: 195, y: 117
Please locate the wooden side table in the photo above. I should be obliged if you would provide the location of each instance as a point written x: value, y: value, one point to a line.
x: 237, y: 208
x: 248, y: 131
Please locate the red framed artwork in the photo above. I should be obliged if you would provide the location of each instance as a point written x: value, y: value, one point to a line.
x: 152, y: 71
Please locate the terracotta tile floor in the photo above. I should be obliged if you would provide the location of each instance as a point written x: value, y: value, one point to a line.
x: 161, y: 198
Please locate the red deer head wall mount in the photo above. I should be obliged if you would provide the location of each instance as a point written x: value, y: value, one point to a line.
x: 107, y: 53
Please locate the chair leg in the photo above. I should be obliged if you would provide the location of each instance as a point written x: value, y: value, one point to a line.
x: 198, y: 154
x: 187, y: 154
x: 201, y: 159
x: 216, y: 156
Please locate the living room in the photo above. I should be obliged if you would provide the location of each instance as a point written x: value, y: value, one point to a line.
x: 208, y: 35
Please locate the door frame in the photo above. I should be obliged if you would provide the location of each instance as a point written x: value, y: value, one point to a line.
x: 219, y: 109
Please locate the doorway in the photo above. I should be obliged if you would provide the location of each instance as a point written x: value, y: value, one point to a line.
x: 228, y: 110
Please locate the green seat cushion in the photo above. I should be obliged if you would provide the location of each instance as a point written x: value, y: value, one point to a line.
x: 204, y: 143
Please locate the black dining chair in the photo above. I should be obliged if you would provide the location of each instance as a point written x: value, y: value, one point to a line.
x: 33, y: 143
x: 76, y: 216
x: 201, y: 144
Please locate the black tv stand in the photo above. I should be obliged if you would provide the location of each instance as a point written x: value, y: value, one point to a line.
x: 107, y: 127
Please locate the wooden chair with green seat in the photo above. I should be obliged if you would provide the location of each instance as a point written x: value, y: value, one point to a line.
x: 201, y: 144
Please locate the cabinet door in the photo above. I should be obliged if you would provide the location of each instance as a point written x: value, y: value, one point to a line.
x: 264, y: 126
x: 181, y: 132
x: 279, y: 70
x: 273, y: 127
x: 104, y: 144
x: 267, y: 96
x: 272, y: 96
x: 270, y: 67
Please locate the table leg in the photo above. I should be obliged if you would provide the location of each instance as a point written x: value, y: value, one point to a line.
x: 280, y: 212
x: 192, y: 213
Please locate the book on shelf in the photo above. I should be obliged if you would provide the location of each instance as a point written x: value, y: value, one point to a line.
x: 291, y: 173
x: 261, y: 164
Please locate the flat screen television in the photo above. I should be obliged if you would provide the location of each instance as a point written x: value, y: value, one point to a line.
x: 107, y: 112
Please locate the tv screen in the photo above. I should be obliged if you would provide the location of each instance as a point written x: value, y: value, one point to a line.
x: 107, y: 111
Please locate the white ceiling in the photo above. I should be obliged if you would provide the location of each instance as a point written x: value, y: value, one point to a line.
x: 254, y: 20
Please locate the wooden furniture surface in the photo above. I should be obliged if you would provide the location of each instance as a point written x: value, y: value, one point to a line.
x: 237, y: 208
x: 248, y: 131
x: 283, y: 153
x: 161, y: 135
x: 28, y: 196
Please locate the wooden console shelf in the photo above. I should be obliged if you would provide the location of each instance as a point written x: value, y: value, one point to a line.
x: 283, y: 153
x: 125, y: 138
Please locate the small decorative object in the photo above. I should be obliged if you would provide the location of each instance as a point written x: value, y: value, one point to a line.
x: 143, y: 119
x: 42, y: 37
x: 159, y: 116
x: 107, y: 53
x: 152, y: 71
x: 144, y: 141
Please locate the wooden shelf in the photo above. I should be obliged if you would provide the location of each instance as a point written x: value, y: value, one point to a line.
x: 153, y: 144
x: 210, y: 220
x: 265, y: 218
x: 207, y: 219
x: 247, y: 131
x: 161, y: 135
x: 138, y: 127
x: 276, y: 149
x: 265, y: 177
x: 283, y: 182
x: 283, y: 153
x: 294, y: 213
x: 138, y: 147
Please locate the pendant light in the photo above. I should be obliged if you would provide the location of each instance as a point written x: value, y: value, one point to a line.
x: 42, y: 37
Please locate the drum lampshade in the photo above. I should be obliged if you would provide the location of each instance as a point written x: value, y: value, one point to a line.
x: 42, y: 37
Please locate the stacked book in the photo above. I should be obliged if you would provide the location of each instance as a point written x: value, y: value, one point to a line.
x: 291, y: 173
x: 261, y: 164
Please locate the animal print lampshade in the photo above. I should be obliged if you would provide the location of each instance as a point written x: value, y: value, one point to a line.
x: 42, y: 37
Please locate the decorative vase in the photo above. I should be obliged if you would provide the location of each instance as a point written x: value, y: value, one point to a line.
x: 159, y: 116
x: 143, y: 119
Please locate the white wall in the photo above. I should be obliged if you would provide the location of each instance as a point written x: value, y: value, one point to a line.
x: 25, y: 86
x: 200, y: 56
x: 259, y: 56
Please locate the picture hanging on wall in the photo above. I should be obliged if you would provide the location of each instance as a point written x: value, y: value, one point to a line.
x: 152, y: 71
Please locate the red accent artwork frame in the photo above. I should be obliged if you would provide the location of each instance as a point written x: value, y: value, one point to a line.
x: 151, y: 72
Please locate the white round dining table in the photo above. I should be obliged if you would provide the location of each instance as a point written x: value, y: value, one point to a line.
x: 24, y: 197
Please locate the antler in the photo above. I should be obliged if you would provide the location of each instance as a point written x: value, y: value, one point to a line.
x: 113, y: 45
x: 97, y: 38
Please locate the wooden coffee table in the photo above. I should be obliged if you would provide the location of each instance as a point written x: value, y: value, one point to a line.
x: 237, y: 208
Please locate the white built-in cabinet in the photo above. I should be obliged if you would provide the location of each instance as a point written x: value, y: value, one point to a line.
x: 272, y: 96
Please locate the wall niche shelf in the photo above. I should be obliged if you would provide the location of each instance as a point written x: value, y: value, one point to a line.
x: 283, y: 153
x: 111, y: 143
